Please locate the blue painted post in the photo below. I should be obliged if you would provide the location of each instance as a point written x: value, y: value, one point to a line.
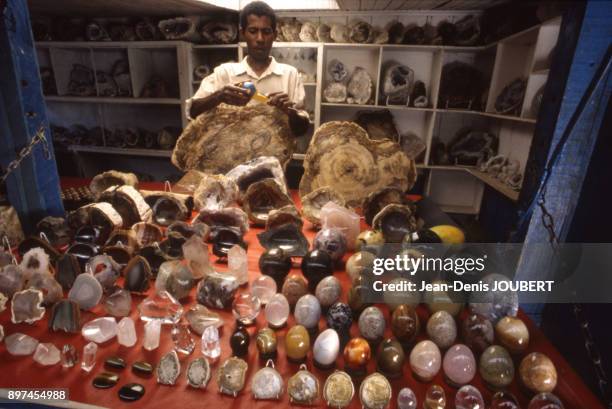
x: 33, y: 189
x: 567, y: 176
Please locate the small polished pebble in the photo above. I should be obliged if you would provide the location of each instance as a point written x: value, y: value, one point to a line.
x: 142, y: 368
x: 307, y: 311
x: 545, y: 400
x: 405, y: 323
x: 328, y: 291
x: 496, y: 367
x: 538, y: 373
x: 390, y: 359
x: 504, y: 400
x: 266, y: 343
x: 372, y: 324
x: 297, y: 343
x: 114, y: 362
x: 105, y: 380
x: 512, y: 333
x: 442, y: 329
x: 477, y: 333
x: 468, y: 397
x: 406, y: 399
x: 425, y: 360
x: 277, y: 311
x: 294, y: 287
x: 131, y: 392
x: 357, y: 354
x: 340, y: 317
x: 435, y: 398
x: 239, y: 341
x: 459, y: 365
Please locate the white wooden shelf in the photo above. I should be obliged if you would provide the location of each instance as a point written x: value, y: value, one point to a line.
x: 495, y: 184
x: 113, y: 100
x: 109, y: 44
x: 121, y: 151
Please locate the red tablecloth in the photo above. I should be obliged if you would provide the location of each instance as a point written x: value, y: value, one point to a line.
x: 23, y: 372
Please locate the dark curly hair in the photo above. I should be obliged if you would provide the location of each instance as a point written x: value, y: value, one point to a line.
x: 258, y: 8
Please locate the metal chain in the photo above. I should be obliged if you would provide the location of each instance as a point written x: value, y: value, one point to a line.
x: 26, y: 151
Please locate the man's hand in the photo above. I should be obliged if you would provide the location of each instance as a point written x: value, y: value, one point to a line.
x: 281, y: 101
x: 233, y: 95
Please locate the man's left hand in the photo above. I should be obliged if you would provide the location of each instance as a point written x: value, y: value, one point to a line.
x: 281, y: 101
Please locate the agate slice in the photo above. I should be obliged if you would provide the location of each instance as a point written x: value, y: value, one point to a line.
x: 359, y: 87
x: 168, y: 369
x: 395, y: 221
x: 198, y: 373
x: 261, y: 197
x: 335, y: 93
x: 231, y: 376
x: 86, y: 291
x: 313, y: 202
x: 26, y: 306
x: 285, y: 215
x: 65, y: 316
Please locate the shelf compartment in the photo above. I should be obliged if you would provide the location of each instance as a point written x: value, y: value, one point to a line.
x: 64, y: 60
x: 367, y: 58
x: 104, y: 60
x: 455, y: 192
x: 146, y: 64
x: 495, y: 184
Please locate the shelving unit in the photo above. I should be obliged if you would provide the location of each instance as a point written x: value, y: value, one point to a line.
x: 455, y: 188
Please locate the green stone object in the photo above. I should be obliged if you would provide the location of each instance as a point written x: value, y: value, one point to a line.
x: 114, y: 362
x: 105, y: 380
x: 142, y: 368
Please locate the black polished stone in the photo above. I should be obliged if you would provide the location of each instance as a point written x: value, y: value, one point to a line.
x: 316, y: 265
x: 67, y: 269
x: 142, y: 368
x: 65, y: 316
x: 275, y: 263
x: 239, y: 341
x: 105, y: 380
x: 224, y: 238
x: 83, y: 252
x: 121, y: 254
x: 137, y: 275
x: 131, y: 392
x: 114, y: 362
x: 288, y: 237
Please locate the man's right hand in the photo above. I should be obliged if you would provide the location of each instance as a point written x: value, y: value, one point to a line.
x: 233, y: 95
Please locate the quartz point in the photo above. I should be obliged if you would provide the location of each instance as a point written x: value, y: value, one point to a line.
x: 183, y: 341
x: 468, y: 397
x: 406, y: 399
x: 195, y: 252
x: 238, y: 264
x: 160, y: 306
x: 119, y: 303
x: 152, y: 334
x: 100, y: 330
x: 200, y: 317
x: 89, y: 356
x: 175, y: 278
x: 20, y: 344
x: 86, y: 291
x: 347, y: 221
x: 211, y: 347
x: 245, y: 308
x: 126, y: 332
x: 169, y: 369
x: 264, y: 287
x: 70, y: 356
x: 26, y: 306
x: 47, y: 354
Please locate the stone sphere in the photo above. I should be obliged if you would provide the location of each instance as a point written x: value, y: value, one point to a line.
x: 297, y: 343
x: 425, y: 360
x: 405, y: 323
x: 496, y: 367
x: 372, y: 324
x: 277, y: 310
x: 357, y: 354
x: 340, y: 317
x: 307, y: 311
x: 393, y: 299
x: 275, y: 263
x: 538, y: 373
x: 459, y: 365
x: 264, y: 287
x: 328, y: 291
x: 359, y: 263
x: 390, y: 359
x: 406, y: 399
x: 442, y: 329
x: 316, y: 265
x: 513, y: 334
x: 332, y: 241
x: 294, y: 287
x: 477, y: 332
x: 326, y: 348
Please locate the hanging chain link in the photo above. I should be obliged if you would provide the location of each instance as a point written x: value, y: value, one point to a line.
x: 26, y: 151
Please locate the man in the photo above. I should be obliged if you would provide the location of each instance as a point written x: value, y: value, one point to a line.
x: 280, y: 82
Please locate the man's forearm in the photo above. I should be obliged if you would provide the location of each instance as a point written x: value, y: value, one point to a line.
x: 204, y: 104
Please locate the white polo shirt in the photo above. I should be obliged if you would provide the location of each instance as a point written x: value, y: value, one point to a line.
x: 277, y: 77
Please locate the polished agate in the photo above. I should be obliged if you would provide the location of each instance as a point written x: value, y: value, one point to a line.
x: 307, y: 311
x: 51, y: 289
x: 326, y: 348
x: 198, y: 373
x: 372, y: 324
x: 468, y: 397
x: 168, y: 369
x: 512, y: 333
x: 297, y: 343
x: 405, y: 323
x: 425, y: 360
x: 231, y: 376
x: 359, y: 263
x: 138, y: 275
x: 328, y: 291
x: 496, y: 367
x: 357, y: 354
x: 86, y: 291
x: 303, y: 387
x: 390, y: 358
x: 442, y: 329
x: 477, y: 332
x: 277, y: 311
x: 26, y: 306
x: 266, y: 342
x: 538, y: 373
x: 459, y: 365
x: 294, y: 288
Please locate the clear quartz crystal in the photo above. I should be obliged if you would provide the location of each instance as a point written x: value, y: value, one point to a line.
x: 126, y: 332
x: 47, y: 354
x: 237, y: 264
x: 152, y: 334
x: 246, y: 308
x: 406, y: 399
x: 264, y: 287
x: 89, y: 356
x: 211, y: 347
x: 195, y: 252
x: 335, y: 216
x: 183, y: 341
x: 162, y: 306
x: 70, y: 356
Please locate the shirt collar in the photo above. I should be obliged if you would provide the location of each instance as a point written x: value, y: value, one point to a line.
x: 273, y: 68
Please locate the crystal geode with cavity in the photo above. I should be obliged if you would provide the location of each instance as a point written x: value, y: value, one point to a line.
x: 26, y: 306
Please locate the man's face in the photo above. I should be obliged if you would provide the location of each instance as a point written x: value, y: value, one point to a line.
x: 259, y: 36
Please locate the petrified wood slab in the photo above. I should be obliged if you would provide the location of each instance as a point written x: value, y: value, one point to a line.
x: 342, y: 157
x: 218, y: 140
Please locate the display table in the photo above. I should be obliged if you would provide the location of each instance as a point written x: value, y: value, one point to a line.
x: 23, y: 372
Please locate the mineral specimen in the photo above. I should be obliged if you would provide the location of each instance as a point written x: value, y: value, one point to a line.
x: 332, y: 241
x: 266, y: 343
x: 468, y: 397
x: 538, y: 373
x: 286, y: 237
x: 277, y: 310
x: 118, y: 303
x: 459, y: 365
x: 175, y: 278
x: 328, y: 291
x: 126, y: 332
x: 51, y: 289
x: 88, y: 360
x: 215, y: 192
x: 86, y: 291
x: 406, y: 399
x: 217, y: 290
x: 46, y: 354
x: 100, y: 330
x: 359, y: 88
x: 26, y: 306
x: 398, y: 81
x: 313, y: 202
x: 198, y: 373
x: 231, y: 376
x: 151, y: 335
x: 263, y: 287
x: 372, y: 324
x: 160, y: 306
x: 245, y: 308
x: 512, y: 333
x: 297, y: 343
x: 303, y: 387
x: 20, y: 344
x: 169, y: 369
x: 65, y: 316
x: 211, y: 347
x: 442, y: 329
x: 375, y: 392
x: 335, y: 93
x: 261, y: 197
x: 496, y: 367
x: 425, y: 360
x: 267, y: 383
x: 200, y: 317
x: 326, y: 348
x: 357, y: 354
